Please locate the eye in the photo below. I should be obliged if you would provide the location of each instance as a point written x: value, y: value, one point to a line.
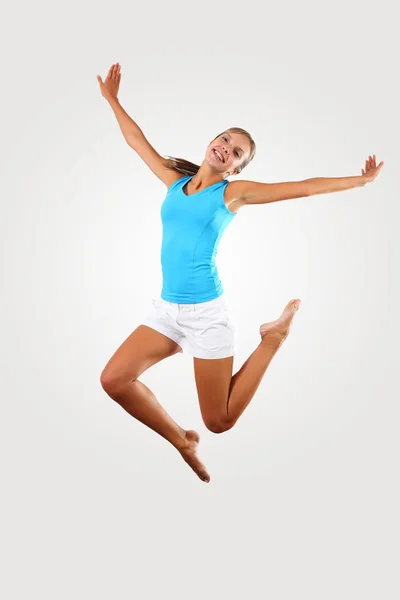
x: 225, y: 138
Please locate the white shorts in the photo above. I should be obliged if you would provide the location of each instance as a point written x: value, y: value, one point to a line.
x: 204, y: 329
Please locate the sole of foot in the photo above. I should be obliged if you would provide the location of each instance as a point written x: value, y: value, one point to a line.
x: 189, y: 455
x: 281, y: 326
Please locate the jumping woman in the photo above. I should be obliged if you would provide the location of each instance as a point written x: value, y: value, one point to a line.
x: 191, y: 312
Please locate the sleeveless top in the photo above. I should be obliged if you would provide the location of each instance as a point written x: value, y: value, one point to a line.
x: 192, y: 226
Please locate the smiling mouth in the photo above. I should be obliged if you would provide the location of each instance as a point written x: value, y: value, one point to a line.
x: 218, y: 155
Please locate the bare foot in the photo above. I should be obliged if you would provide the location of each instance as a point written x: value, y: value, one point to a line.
x: 281, y: 326
x: 189, y: 454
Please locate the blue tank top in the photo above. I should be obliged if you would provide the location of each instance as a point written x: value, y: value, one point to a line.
x: 192, y: 227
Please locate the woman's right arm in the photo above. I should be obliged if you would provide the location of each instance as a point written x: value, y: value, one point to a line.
x: 131, y: 131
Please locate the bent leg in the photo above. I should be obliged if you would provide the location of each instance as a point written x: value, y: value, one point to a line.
x: 224, y: 398
x: 142, y: 349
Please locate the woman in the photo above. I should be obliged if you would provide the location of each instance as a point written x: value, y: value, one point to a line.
x: 192, y: 312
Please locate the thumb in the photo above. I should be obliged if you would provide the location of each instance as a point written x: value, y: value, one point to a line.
x: 99, y: 79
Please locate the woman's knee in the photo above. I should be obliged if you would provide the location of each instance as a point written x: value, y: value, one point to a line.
x: 111, y: 382
x: 219, y: 425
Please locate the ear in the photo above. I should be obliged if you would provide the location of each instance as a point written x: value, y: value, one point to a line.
x: 235, y: 172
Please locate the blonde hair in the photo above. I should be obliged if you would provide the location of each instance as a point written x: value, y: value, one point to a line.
x: 188, y: 168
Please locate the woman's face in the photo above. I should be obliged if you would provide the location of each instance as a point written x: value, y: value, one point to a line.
x: 227, y: 152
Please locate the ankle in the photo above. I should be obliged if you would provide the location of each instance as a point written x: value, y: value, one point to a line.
x: 273, y: 338
x: 182, y: 443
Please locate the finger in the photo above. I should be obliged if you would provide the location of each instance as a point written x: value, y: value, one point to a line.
x: 109, y: 74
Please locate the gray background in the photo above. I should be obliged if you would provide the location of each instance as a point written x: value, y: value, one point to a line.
x: 303, y: 501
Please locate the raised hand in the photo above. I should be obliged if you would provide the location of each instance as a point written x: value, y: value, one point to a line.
x: 109, y: 89
x: 371, y: 171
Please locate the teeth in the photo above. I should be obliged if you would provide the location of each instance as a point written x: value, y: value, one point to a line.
x: 218, y: 154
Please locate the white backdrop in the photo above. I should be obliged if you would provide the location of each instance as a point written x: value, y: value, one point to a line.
x: 303, y: 501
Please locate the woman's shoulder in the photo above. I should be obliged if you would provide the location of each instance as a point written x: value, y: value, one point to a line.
x: 173, y: 177
x: 233, y: 197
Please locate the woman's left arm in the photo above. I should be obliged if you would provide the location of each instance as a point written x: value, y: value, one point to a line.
x: 251, y: 192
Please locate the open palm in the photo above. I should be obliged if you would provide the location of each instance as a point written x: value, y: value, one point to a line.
x: 371, y: 171
x: 109, y: 88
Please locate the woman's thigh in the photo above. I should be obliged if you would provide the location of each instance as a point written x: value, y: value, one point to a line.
x: 213, y: 380
x: 141, y: 350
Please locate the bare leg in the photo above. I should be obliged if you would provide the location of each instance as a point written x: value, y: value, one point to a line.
x: 246, y: 381
x: 223, y: 398
x: 139, y: 401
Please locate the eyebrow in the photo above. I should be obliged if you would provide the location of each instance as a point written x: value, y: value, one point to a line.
x: 237, y: 147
